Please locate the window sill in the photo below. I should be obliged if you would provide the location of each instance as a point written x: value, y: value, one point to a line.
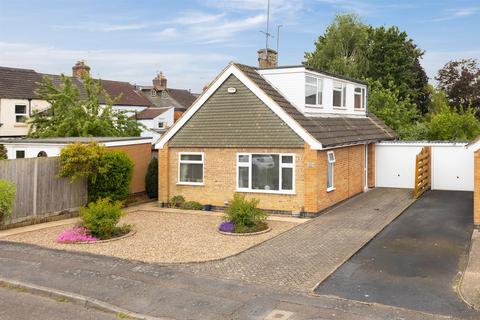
x: 190, y: 184
x: 319, y: 106
x: 340, y: 108
x: 266, y: 191
x: 330, y: 189
x: 20, y: 125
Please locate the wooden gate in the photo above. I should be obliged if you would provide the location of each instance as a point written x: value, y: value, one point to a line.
x: 423, y: 172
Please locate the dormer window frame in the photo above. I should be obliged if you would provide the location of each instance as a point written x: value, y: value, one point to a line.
x: 362, y: 93
x: 340, y: 86
x: 318, y: 90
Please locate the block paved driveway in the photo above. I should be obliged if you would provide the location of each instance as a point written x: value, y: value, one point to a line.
x: 415, y: 262
x: 302, y: 257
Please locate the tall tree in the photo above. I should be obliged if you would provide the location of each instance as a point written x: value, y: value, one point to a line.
x: 342, y: 48
x: 461, y: 81
x: 74, y: 115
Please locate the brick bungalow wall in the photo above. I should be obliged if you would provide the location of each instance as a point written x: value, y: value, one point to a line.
x: 140, y: 155
x: 476, y: 192
x: 310, y: 174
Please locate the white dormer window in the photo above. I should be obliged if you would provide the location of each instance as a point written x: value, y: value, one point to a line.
x: 359, y: 98
x: 313, y: 91
x: 339, y: 94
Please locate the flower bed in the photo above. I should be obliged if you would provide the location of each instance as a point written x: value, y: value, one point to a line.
x: 242, y: 217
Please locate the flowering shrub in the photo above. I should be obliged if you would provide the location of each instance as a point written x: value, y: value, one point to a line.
x: 226, y: 226
x: 75, y: 234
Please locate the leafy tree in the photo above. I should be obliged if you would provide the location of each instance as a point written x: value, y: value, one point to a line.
x: 76, y: 115
x: 450, y: 124
x: 461, y: 81
x: 386, y: 104
x: 3, y: 152
x: 342, y: 48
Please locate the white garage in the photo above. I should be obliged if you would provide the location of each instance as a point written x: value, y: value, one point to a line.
x: 452, y: 165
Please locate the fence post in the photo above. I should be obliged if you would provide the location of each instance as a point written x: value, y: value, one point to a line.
x: 35, y: 186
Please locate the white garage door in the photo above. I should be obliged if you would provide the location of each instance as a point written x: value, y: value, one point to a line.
x: 452, y: 165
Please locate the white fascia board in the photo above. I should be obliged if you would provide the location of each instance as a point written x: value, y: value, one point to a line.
x: 125, y: 142
x: 232, y: 69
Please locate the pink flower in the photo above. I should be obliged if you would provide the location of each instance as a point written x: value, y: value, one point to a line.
x: 75, y: 234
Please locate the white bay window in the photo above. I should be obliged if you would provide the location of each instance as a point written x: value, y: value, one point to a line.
x: 190, y: 168
x: 274, y: 173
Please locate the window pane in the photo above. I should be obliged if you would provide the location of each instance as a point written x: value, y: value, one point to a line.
x: 265, y: 171
x: 330, y: 175
x: 358, y: 90
x: 21, y: 109
x: 192, y: 157
x: 243, y: 158
x: 191, y: 172
x: 20, y: 119
x: 20, y: 154
x: 337, y: 98
x: 311, y: 80
x: 287, y: 178
x: 319, y: 97
x: 287, y: 159
x: 358, y: 101
x: 310, y: 94
x: 243, y: 177
x: 344, y: 96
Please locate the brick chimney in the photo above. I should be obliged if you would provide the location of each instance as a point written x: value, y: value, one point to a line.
x: 80, y: 69
x: 267, y: 58
x: 160, y: 82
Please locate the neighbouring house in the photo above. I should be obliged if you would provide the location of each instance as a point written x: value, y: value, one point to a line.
x: 155, y: 121
x: 296, y: 138
x: 162, y: 96
x: 137, y: 148
x: 18, y: 99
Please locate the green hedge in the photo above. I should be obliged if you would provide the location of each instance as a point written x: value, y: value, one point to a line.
x: 7, y: 199
x: 151, y: 179
x: 114, y: 181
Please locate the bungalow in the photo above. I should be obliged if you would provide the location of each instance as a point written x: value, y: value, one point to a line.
x: 297, y: 138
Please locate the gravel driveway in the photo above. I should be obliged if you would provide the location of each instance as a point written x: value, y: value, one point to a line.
x: 162, y: 237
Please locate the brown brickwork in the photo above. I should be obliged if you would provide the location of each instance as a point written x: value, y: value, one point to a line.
x: 140, y: 155
x: 163, y: 174
x: 348, y: 175
x: 371, y: 165
x: 312, y: 179
x: 220, y: 179
x: 476, y: 194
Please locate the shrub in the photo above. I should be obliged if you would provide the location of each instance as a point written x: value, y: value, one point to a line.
x: 75, y: 234
x: 101, y: 218
x: 192, y: 205
x: 114, y: 181
x: 7, y: 198
x: 3, y: 152
x: 79, y: 160
x: 244, y: 214
x: 151, y: 179
x: 177, y: 201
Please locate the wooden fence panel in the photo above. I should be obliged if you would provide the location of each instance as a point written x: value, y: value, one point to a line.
x: 423, y: 171
x: 40, y: 192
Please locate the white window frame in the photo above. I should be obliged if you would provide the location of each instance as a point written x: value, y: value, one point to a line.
x: 342, y: 88
x: 25, y: 115
x: 362, y: 94
x: 162, y: 123
x: 21, y: 150
x: 202, y: 162
x: 331, y: 165
x: 318, y: 90
x: 281, y: 165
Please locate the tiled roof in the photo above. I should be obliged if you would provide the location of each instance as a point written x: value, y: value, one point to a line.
x: 180, y: 99
x: 18, y: 83
x: 150, y: 113
x: 329, y: 131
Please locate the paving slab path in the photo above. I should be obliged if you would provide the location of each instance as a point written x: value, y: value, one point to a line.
x: 307, y: 254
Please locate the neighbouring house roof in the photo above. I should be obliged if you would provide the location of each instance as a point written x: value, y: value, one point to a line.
x: 150, y: 113
x: 180, y: 99
x: 319, y: 132
x: 18, y: 83
x: 67, y: 140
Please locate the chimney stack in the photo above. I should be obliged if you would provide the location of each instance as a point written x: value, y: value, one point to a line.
x: 160, y: 82
x: 267, y: 58
x: 80, y: 69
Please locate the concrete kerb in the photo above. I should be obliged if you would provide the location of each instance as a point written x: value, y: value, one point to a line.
x: 75, y: 298
x: 459, y: 285
x: 311, y: 292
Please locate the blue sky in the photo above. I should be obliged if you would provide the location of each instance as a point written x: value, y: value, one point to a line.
x: 191, y: 41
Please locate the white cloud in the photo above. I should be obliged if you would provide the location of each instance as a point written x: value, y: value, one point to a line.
x: 190, y: 18
x: 184, y: 70
x: 457, y: 14
x: 166, y: 33
x: 364, y: 8
x: 101, y: 27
